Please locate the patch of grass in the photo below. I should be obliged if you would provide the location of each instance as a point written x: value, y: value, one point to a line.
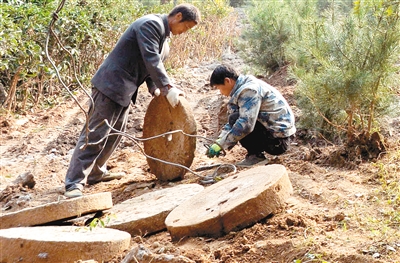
x: 99, y: 222
x: 382, y: 219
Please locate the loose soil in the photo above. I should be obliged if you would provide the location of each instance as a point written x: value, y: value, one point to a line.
x: 334, y: 214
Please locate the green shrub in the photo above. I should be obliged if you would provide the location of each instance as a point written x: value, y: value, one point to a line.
x: 87, y: 31
x: 23, y: 29
x: 346, y: 68
x: 239, y: 3
x: 273, y: 25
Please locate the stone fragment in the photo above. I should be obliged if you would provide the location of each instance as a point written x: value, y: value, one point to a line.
x: 26, y: 180
x: 232, y: 204
x: 146, y: 213
x: 55, y: 211
x: 61, y: 244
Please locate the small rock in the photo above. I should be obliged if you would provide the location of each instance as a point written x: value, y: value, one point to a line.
x: 391, y: 248
x: 339, y: 217
x: 25, y: 179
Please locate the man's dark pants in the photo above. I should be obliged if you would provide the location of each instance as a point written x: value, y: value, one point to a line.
x: 90, y: 162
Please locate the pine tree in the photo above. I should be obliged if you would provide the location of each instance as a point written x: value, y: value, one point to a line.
x: 346, y: 66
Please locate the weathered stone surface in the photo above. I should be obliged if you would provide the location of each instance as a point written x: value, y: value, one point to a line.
x: 146, y: 214
x: 61, y: 244
x: 161, y: 117
x: 57, y: 210
x: 231, y: 204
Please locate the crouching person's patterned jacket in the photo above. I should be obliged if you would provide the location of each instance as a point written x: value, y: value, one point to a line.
x: 256, y: 100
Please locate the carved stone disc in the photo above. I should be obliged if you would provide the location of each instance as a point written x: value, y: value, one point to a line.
x: 177, y: 148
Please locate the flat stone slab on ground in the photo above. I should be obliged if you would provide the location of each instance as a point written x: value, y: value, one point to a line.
x: 232, y: 204
x: 54, y: 211
x: 146, y: 213
x: 61, y: 244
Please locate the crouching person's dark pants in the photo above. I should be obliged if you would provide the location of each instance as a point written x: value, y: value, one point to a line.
x: 261, y: 140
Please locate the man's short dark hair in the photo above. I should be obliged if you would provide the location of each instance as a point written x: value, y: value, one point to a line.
x: 189, y: 13
x: 221, y: 72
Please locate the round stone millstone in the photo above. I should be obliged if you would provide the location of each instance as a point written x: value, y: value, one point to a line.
x: 231, y: 204
x: 55, y: 211
x: 145, y: 214
x: 61, y: 244
x: 178, y: 148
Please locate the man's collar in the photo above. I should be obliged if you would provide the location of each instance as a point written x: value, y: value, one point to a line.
x: 166, y: 25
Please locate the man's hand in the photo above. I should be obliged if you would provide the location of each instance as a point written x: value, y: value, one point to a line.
x: 213, y: 151
x: 173, y: 96
x: 163, y: 91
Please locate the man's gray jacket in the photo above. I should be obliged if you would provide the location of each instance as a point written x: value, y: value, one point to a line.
x: 136, y: 58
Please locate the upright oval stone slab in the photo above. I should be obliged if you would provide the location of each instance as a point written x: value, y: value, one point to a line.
x: 231, y: 204
x: 57, y: 210
x: 61, y: 244
x: 146, y: 213
x: 178, y: 148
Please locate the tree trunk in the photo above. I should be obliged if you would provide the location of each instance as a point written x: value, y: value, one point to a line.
x: 11, y: 100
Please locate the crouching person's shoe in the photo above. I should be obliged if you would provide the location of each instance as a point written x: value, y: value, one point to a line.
x: 73, y: 193
x: 253, y: 159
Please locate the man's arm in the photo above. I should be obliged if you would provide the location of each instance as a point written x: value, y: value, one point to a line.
x: 149, y: 38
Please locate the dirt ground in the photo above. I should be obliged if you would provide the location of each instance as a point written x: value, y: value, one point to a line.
x: 332, y: 216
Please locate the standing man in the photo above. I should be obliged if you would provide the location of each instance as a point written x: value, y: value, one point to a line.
x: 136, y: 58
x: 259, y: 116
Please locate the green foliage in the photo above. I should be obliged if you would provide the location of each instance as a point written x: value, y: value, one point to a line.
x: 340, y: 6
x: 346, y: 67
x: 87, y: 31
x: 272, y: 26
x: 239, y: 3
x: 90, y: 30
x: 343, y: 54
x: 82, y: 29
x: 22, y: 29
x: 266, y: 35
x: 98, y: 222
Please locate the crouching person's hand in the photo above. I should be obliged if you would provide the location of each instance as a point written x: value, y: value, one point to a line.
x: 214, y: 151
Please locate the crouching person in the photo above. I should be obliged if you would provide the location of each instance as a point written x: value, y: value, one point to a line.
x: 259, y: 118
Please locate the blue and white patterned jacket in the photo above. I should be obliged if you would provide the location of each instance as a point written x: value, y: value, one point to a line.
x: 256, y: 100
